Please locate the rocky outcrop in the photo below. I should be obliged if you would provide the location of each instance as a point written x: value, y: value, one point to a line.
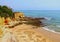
x: 33, y: 21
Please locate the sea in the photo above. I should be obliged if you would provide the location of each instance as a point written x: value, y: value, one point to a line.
x: 52, y: 17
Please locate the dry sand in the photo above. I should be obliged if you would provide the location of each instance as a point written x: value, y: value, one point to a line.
x: 34, y: 34
x: 52, y: 37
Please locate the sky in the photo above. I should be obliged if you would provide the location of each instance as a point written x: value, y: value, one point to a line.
x: 32, y: 4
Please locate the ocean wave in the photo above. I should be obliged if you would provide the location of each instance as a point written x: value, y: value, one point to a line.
x: 58, y: 26
x: 46, y: 28
x: 48, y: 18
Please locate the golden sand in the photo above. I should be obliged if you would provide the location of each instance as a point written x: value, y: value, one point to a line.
x: 30, y: 36
x: 26, y: 33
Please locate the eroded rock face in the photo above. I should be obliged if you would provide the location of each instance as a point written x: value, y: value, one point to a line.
x: 29, y: 36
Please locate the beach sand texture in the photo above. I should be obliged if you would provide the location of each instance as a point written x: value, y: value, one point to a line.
x: 27, y: 33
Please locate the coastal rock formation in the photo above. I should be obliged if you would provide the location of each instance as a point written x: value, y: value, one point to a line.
x: 34, y: 21
x: 30, y: 18
x: 18, y: 15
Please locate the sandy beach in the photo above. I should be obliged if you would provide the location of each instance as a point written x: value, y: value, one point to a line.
x: 54, y: 37
x: 29, y: 33
x: 49, y: 36
x: 29, y: 20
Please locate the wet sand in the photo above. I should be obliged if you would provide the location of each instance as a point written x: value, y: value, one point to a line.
x: 54, y: 37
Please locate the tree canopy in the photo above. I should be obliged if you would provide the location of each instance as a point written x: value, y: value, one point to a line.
x: 6, y: 11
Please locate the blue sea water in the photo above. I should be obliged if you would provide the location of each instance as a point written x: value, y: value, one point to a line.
x: 52, y: 16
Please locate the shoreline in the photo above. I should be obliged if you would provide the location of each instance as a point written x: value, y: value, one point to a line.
x: 45, y: 34
x: 45, y: 28
x: 53, y: 37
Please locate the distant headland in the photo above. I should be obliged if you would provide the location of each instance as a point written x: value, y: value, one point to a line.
x: 8, y: 15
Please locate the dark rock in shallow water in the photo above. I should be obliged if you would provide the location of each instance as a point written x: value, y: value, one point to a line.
x: 39, y: 18
x: 34, y: 21
x: 30, y: 18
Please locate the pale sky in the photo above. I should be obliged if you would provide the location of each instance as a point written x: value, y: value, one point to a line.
x: 32, y: 4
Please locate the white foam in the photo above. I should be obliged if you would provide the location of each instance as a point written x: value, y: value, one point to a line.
x: 48, y: 18
x: 58, y: 25
x: 46, y: 28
